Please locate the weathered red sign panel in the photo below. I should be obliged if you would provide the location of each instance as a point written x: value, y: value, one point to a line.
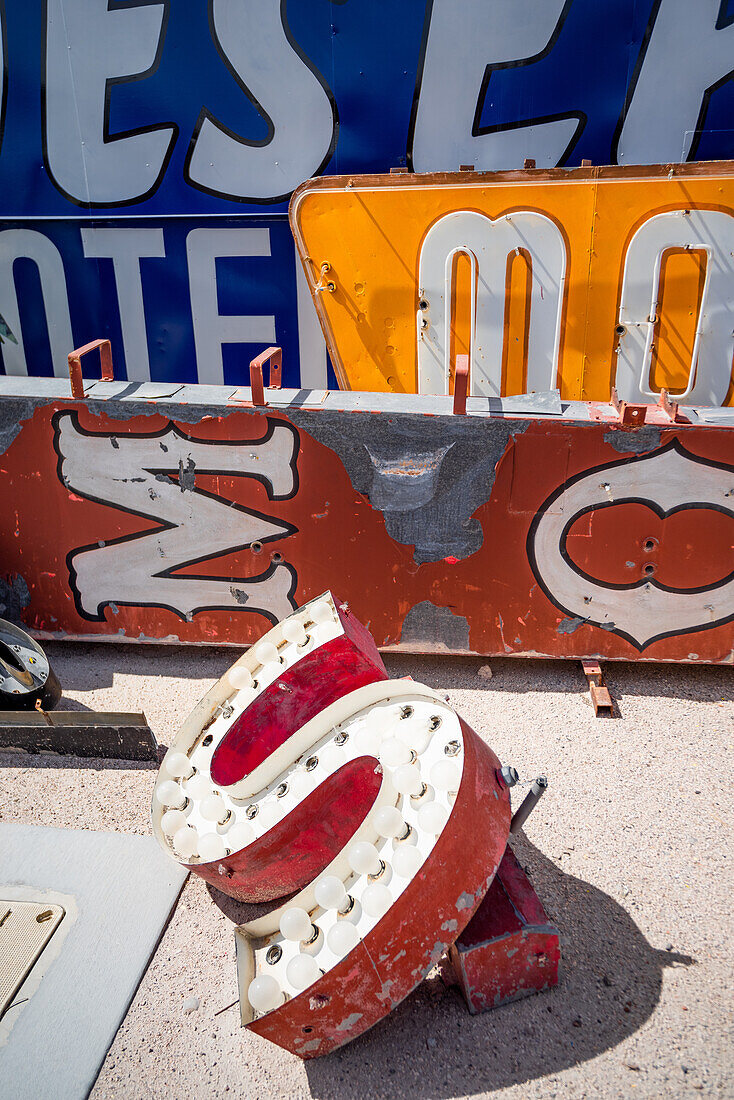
x: 523, y: 527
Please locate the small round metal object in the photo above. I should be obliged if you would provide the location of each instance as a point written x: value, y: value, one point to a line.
x: 421, y: 792
x: 274, y: 954
x: 341, y: 738
x: 508, y: 775
x: 208, y: 740
x: 452, y: 749
x: 404, y: 836
x: 311, y: 763
x: 282, y: 790
x: 434, y: 722
x: 252, y: 811
x: 378, y: 874
x: 406, y: 712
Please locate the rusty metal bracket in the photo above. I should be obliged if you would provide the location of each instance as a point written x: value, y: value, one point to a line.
x: 275, y: 357
x: 601, y: 700
x: 461, y: 384
x: 670, y: 408
x: 628, y: 413
x: 75, y: 366
x: 642, y: 414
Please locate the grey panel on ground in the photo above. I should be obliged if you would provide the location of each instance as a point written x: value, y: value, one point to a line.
x: 124, y: 888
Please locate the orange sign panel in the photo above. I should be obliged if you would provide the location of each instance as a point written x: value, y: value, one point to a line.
x: 580, y: 280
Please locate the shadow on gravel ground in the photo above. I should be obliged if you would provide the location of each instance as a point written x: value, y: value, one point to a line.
x: 430, y: 1046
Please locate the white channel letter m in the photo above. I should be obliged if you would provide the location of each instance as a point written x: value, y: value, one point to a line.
x: 153, y: 476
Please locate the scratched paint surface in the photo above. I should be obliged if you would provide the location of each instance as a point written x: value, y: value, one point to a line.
x: 559, y: 536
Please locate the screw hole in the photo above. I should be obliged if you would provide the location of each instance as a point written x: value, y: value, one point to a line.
x: 256, y: 547
x: 649, y: 544
x: 276, y: 557
x: 649, y: 569
x: 208, y: 740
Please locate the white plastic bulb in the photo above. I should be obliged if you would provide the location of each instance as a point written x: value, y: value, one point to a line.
x: 264, y: 993
x: 186, y: 841
x: 178, y: 765
x: 331, y: 757
x: 198, y: 787
x: 388, y: 821
x: 342, y: 938
x: 407, y: 779
x: 393, y: 753
x: 239, y: 836
x: 376, y: 900
x: 294, y: 631
x: 266, y: 653
x: 169, y: 793
x: 213, y: 808
x: 240, y: 677
x: 322, y: 613
x: 415, y: 735
x: 446, y: 775
x: 406, y: 860
x: 172, y: 821
x: 269, y: 816
x: 295, y: 924
x: 211, y: 847
x: 302, y: 971
x: 432, y: 817
x: 330, y: 892
x: 364, y: 859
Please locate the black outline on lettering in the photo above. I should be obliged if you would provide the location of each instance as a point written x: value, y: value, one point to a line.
x: 289, y: 529
x: 107, y: 137
x: 477, y: 130
x: 720, y: 24
x: 206, y: 114
x: 674, y: 445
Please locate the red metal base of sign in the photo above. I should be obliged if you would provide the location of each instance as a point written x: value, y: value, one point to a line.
x: 509, y: 949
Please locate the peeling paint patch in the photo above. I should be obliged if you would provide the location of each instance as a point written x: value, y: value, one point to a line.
x: 432, y: 512
x: 465, y: 901
x: 449, y: 926
x: 349, y: 1021
x: 636, y: 441
x: 239, y: 595
x: 428, y: 624
x: 567, y: 626
x: 15, y: 596
x: 187, y: 475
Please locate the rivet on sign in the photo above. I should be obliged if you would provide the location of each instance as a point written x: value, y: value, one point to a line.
x: 273, y: 954
x: 341, y: 738
x: 452, y: 748
x: 312, y: 763
x: 281, y: 790
x: 252, y: 811
x: 406, y: 712
x: 435, y: 722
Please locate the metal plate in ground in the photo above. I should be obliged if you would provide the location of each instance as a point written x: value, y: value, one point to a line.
x: 25, y: 929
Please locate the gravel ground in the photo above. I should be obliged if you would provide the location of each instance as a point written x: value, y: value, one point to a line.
x: 628, y: 851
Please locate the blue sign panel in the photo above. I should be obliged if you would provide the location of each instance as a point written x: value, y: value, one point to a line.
x: 149, y: 149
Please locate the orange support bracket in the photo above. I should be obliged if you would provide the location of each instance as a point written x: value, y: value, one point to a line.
x: 275, y: 357
x: 461, y: 384
x: 75, y: 366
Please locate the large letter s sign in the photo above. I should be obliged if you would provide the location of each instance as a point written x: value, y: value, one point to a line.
x: 359, y: 793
